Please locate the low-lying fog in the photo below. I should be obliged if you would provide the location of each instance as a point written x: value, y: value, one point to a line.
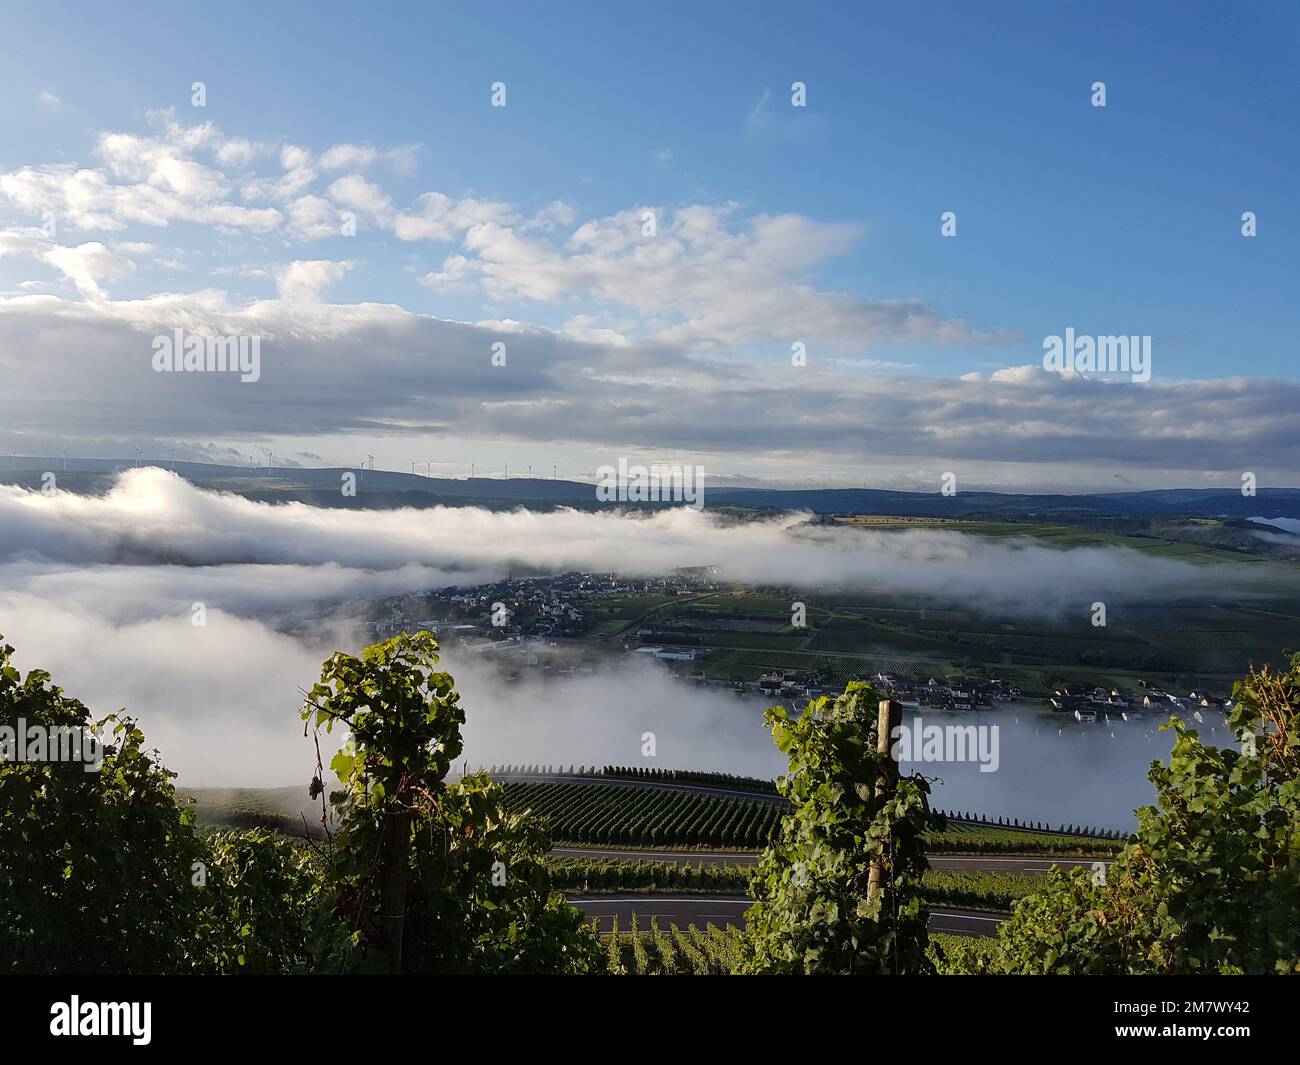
x: 99, y: 592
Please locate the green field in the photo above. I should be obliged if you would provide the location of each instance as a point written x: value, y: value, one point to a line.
x: 1182, y: 642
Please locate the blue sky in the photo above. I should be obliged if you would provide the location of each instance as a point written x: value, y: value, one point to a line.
x: 1117, y: 220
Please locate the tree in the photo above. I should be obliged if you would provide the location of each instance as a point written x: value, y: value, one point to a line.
x: 851, y: 810
x: 1210, y: 883
x: 435, y: 876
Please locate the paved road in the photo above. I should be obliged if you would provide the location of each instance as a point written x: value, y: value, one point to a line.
x: 676, y: 857
x: 722, y: 910
x: 987, y: 863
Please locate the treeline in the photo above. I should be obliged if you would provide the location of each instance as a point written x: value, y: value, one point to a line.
x: 690, y: 776
x: 537, y: 770
x: 1035, y: 826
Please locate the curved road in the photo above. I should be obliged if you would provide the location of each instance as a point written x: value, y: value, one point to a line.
x: 984, y: 863
x: 722, y: 910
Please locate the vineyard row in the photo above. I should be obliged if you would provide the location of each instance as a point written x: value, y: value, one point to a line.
x: 977, y: 890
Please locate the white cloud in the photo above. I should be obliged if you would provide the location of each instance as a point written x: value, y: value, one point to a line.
x: 86, y: 199
x: 348, y: 157
x: 356, y: 192
x: 364, y: 156
x: 237, y: 152
x: 305, y: 281
x: 440, y: 217
x: 702, y: 278
x: 84, y: 265
x: 295, y: 157
x: 556, y: 215
x: 709, y: 278
x: 313, y: 218
x: 152, y: 514
x: 378, y: 368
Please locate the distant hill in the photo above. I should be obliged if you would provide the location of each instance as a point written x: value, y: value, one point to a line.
x: 387, y: 488
x: 1188, y: 502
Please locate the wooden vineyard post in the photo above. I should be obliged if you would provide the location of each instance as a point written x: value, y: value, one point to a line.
x: 889, y: 716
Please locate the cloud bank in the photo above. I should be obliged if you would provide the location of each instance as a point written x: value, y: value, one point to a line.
x: 675, y: 342
x: 153, y: 517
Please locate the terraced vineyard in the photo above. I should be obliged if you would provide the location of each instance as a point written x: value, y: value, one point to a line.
x: 606, y: 814
x: 612, y: 814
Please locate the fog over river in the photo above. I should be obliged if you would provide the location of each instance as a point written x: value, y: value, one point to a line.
x: 1049, y: 767
x: 102, y: 592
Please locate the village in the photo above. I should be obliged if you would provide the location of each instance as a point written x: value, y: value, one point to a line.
x: 1102, y: 704
x: 585, y: 622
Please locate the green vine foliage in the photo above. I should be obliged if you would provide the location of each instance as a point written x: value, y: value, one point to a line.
x: 267, y: 909
x: 812, y: 913
x: 435, y: 877
x: 1210, y: 883
x: 95, y: 867
x: 103, y: 872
